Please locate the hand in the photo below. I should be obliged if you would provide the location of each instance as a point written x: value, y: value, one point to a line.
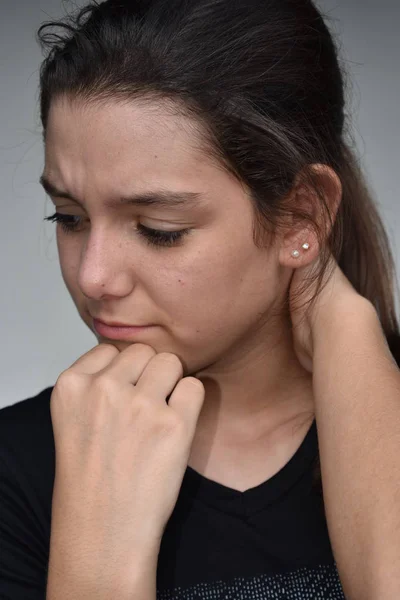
x: 121, y: 453
x: 307, y: 320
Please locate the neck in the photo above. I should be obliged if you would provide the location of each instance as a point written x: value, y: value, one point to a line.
x: 258, y: 388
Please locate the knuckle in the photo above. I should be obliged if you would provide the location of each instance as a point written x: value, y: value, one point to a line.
x: 172, y: 358
x: 104, y: 381
x: 141, y: 349
x: 107, y: 347
x: 70, y: 379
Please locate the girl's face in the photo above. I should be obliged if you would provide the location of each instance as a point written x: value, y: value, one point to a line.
x: 210, y: 294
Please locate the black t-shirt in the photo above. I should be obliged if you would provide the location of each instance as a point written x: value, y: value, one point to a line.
x: 268, y: 542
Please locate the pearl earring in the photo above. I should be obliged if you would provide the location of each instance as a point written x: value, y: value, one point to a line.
x: 296, y: 253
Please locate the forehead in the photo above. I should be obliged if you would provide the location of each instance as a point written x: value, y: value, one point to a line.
x: 125, y: 138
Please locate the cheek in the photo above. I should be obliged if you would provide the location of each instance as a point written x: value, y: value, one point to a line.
x: 216, y: 292
x: 211, y: 309
x: 69, y: 266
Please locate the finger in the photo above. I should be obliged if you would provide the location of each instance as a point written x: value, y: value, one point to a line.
x: 96, y: 359
x: 160, y: 376
x: 187, y: 400
x: 127, y: 366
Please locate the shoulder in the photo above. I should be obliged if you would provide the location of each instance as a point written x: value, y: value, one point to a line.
x: 27, y: 451
x: 27, y: 477
x: 26, y: 417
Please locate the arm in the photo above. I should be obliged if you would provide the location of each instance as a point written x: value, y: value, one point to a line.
x: 88, y: 563
x: 357, y: 401
x: 23, y: 556
x: 69, y: 582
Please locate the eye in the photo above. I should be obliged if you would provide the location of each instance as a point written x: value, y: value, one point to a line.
x: 153, y: 237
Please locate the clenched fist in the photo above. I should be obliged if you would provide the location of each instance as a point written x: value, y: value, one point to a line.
x: 121, y: 454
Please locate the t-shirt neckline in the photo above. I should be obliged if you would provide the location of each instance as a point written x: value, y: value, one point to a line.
x: 206, y: 491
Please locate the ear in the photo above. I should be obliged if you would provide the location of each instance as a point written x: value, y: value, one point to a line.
x: 304, y: 197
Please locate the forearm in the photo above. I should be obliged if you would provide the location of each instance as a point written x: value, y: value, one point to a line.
x: 87, y: 561
x: 68, y: 579
x: 140, y: 586
x: 357, y: 401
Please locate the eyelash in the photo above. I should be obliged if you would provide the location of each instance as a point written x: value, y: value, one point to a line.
x: 153, y: 237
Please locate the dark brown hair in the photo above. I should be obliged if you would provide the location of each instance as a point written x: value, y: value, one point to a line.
x: 262, y: 80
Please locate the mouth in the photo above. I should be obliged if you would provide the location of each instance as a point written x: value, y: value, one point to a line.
x: 120, y: 332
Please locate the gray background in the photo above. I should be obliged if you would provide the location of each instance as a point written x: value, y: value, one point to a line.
x: 41, y: 331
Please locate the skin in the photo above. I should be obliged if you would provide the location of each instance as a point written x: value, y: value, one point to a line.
x: 212, y: 296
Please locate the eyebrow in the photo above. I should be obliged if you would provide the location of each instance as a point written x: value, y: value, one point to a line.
x: 159, y: 198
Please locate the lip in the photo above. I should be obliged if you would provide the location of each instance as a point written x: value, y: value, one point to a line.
x: 118, y: 332
x: 116, y: 323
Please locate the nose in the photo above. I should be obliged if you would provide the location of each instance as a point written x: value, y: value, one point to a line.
x: 105, y: 268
